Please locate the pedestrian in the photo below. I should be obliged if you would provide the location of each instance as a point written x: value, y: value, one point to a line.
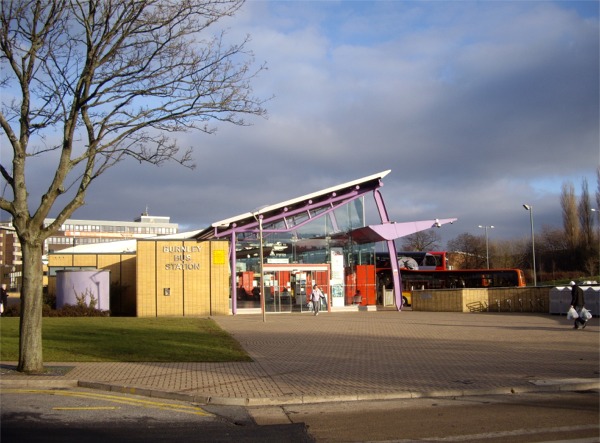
x: 4, y: 297
x: 577, y: 302
x: 316, y: 297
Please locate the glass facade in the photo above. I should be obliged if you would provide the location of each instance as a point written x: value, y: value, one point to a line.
x: 321, y: 250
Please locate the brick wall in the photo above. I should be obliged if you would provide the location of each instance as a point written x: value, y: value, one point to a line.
x: 164, y: 278
x: 182, y: 278
x: 527, y: 299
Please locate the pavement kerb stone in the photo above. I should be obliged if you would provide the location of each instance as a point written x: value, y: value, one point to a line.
x: 273, y: 401
x: 387, y: 396
x: 580, y: 387
x: 145, y: 392
x: 38, y: 384
x: 308, y: 399
x: 537, y: 386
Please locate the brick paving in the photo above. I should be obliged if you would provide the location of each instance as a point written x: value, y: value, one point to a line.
x: 364, y: 355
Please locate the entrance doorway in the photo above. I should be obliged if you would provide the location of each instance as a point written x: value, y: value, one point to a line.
x: 288, y: 286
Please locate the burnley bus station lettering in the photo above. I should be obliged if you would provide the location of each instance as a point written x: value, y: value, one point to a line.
x: 181, y: 249
x: 182, y: 267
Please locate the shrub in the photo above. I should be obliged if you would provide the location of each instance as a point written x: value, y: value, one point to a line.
x: 78, y: 310
x: 65, y: 311
x: 49, y: 300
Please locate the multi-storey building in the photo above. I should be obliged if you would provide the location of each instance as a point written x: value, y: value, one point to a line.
x: 77, y: 232
x: 81, y: 232
x: 10, y: 255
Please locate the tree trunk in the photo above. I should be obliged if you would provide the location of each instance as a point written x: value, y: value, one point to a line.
x: 30, y: 340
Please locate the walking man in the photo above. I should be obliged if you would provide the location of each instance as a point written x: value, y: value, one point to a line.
x: 315, y: 297
x: 577, y: 302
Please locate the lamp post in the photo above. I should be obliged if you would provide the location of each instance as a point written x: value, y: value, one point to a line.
x: 259, y: 218
x: 262, y: 272
x: 598, y: 212
x: 294, y: 240
x: 487, y: 249
x: 530, y: 209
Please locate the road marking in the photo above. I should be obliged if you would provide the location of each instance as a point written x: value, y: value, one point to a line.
x: 186, y: 409
x: 90, y: 408
x: 515, y: 433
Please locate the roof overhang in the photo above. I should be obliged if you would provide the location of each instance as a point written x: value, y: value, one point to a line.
x: 309, y: 204
x: 393, y: 231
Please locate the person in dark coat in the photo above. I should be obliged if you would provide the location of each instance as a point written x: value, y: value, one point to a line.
x: 4, y: 296
x: 577, y: 302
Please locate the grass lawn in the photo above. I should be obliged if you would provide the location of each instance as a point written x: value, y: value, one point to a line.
x: 107, y: 339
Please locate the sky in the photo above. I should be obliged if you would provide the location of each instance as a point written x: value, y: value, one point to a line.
x: 476, y: 107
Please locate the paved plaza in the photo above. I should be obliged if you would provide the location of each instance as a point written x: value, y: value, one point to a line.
x: 301, y: 358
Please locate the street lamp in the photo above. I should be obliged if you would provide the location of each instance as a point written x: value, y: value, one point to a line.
x: 530, y: 209
x: 487, y: 249
x: 259, y: 218
x: 598, y: 212
x: 294, y: 240
x: 262, y: 272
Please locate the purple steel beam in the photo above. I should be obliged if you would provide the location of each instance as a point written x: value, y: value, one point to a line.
x: 310, y: 219
x: 392, y: 251
x: 334, y: 202
x: 284, y: 214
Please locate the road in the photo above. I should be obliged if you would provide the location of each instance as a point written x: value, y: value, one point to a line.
x: 79, y: 415
x: 516, y: 418
x: 96, y: 416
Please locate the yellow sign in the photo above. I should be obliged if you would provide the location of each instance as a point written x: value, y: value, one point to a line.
x: 219, y: 257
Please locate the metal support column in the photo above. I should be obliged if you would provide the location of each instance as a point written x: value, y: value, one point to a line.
x: 392, y: 251
x: 233, y: 261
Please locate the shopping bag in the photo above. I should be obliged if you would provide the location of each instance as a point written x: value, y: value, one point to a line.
x: 323, y: 302
x: 585, y: 314
x: 572, y: 314
x: 1, y: 308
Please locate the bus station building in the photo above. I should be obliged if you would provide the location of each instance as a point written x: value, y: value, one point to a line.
x: 267, y: 259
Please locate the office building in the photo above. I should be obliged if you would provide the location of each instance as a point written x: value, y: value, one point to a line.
x: 85, y: 232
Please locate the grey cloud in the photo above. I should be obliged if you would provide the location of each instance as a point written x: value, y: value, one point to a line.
x: 468, y: 104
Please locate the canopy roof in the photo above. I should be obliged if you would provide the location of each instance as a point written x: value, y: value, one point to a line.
x: 292, y: 214
x: 392, y: 231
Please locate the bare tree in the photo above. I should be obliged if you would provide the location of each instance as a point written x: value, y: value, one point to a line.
x: 552, y: 250
x: 88, y: 83
x: 552, y: 239
x: 428, y: 240
x: 597, y: 211
x: 585, y: 217
x: 507, y: 253
x: 568, y: 203
x: 471, y: 249
x: 598, y: 188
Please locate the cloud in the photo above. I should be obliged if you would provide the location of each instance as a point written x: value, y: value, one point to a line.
x: 476, y: 107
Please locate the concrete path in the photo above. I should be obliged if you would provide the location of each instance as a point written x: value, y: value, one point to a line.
x: 301, y: 358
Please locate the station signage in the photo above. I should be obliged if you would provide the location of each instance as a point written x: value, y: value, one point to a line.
x: 182, y: 258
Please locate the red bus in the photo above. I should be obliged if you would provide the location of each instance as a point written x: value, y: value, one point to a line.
x: 430, y: 261
x: 441, y: 260
x: 448, y: 279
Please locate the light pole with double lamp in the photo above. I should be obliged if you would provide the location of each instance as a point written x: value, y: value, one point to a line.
x: 530, y: 209
x: 487, y: 249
